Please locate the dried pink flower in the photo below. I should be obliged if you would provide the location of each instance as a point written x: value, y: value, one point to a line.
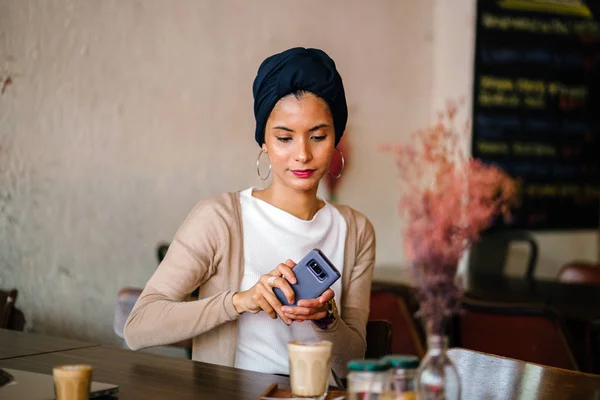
x: 447, y: 199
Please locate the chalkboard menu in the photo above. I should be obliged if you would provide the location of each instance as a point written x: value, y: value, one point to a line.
x: 536, y: 108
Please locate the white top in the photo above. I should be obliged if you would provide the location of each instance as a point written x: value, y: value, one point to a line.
x: 271, y: 236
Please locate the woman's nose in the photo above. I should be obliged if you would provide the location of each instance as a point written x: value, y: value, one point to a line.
x: 303, y: 153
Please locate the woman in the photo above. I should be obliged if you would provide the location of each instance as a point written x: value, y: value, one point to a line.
x: 236, y: 247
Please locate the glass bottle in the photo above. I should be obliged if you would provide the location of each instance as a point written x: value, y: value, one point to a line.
x: 403, y: 375
x: 367, y: 379
x: 437, y: 376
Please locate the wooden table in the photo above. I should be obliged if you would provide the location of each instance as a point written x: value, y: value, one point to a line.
x: 484, y: 376
x: 570, y: 300
x: 578, y: 305
x: 19, y: 344
x: 149, y: 376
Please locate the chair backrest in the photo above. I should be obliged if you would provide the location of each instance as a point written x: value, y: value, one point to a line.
x: 488, y: 255
x: 17, y: 320
x: 7, y: 305
x: 379, y: 339
x: 128, y: 296
x: 525, y: 332
x: 126, y: 300
x: 580, y: 272
x: 594, y: 341
x: 161, y: 251
x: 406, y: 335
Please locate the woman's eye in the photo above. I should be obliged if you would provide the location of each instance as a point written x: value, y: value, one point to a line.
x: 319, y: 138
x: 284, y: 139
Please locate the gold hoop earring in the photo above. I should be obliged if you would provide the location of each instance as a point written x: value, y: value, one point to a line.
x: 343, y: 162
x: 258, y: 167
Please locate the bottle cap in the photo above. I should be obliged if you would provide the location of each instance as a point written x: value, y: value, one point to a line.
x: 402, y: 361
x: 370, y: 365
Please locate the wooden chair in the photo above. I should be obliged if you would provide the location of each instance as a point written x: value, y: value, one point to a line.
x: 594, y: 346
x: 127, y: 297
x: 389, y: 304
x: 581, y: 272
x: 585, y: 335
x: 161, y: 251
x: 10, y: 316
x: 525, y: 332
x: 488, y: 256
x: 7, y: 305
x: 126, y: 300
x: 379, y: 339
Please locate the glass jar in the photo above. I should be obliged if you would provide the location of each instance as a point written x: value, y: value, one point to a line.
x: 367, y: 379
x: 437, y: 376
x: 403, y: 374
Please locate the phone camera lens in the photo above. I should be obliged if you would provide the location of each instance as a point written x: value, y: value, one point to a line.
x: 317, y: 269
x: 322, y: 276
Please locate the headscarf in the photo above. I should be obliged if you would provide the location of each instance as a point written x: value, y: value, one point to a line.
x: 311, y: 70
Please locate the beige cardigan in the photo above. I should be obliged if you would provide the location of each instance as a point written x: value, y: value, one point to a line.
x: 207, y: 252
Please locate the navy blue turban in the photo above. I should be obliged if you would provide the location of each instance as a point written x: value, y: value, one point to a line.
x: 297, y: 69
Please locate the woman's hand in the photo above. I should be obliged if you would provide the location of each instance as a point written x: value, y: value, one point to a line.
x: 309, y: 309
x: 261, y: 297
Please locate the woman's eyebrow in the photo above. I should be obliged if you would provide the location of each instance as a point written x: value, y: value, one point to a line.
x: 283, y: 128
x: 314, y: 128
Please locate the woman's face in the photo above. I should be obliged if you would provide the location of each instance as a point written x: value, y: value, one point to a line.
x: 300, y: 141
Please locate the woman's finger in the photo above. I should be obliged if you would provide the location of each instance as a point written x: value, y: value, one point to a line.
x: 266, y: 307
x: 314, y: 316
x: 266, y: 291
x: 314, y: 303
x: 283, y: 285
x: 276, y: 305
x: 318, y: 302
x: 309, y: 303
x: 296, y: 311
x: 326, y: 296
x: 286, y: 271
x: 299, y: 311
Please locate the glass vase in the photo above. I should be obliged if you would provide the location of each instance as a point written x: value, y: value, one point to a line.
x: 437, y: 376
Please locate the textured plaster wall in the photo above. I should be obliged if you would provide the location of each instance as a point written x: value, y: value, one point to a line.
x: 124, y: 113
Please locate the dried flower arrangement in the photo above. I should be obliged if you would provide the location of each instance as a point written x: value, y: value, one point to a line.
x: 447, y: 199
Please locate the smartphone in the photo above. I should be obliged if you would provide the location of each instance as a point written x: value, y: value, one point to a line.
x: 314, y: 275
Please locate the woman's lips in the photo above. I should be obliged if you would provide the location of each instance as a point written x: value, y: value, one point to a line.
x: 303, y: 173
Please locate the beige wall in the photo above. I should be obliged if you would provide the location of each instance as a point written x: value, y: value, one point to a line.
x: 124, y: 113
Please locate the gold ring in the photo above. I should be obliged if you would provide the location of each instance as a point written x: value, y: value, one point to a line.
x: 271, y: 281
